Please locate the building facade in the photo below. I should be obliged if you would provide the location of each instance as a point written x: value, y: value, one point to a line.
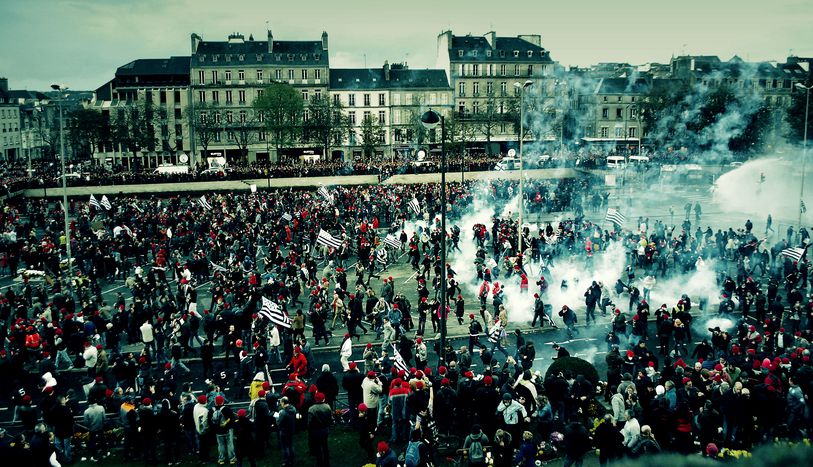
x: 10, y: 141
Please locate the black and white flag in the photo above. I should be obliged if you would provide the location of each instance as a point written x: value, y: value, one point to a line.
x: 802, y: 206
x: 392, y: 241
x: 94, y: 202
x: 217, y: 267
x: 287, y: 217
x: 326, y: 239
x: 275, y: 313
x: 106, y: 203
x: 793, y: 253
x: 137, y: 208
x: 615, y: 216
x: 415, y: 205
x: 398, y: 360
x: 205, y: 203
x: 325, y: 193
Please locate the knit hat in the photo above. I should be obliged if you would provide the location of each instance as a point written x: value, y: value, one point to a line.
x: 419, y: 385
x: 319, y: 397
x: 369, y: 346
x: 488, y: 381
x: 383, y: 447
x: 362, y: 407
x: 242, y: 413
x: 146, y: 401
x: 445, y: 382
x: 352, y: 365
x: 201, y: 399
x: 261, y: 393
x: 266, y: 385
x: 686, y: 380
x: 219, y: 400
x: 712, y: 450
x: 371, y: 374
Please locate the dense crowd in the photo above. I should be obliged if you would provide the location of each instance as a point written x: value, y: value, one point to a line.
x: 741, y: 386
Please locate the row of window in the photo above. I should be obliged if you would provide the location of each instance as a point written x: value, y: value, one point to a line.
x: 474, y: 69
x: 277, y: 57
x: 11, y: 141
x: 632, y: 132
x: 619, y: 113
x: 351, y: 99
x: 475, y: 89
x: 8, y: 113
x: 501, y: 53
x: 260, y: 75
x: 215, y: 96
x: 11, y: 127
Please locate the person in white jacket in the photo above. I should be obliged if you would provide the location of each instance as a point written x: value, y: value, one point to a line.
x: 631, y: 430
x: 371, y: 389
x: 90, y: 355
x: 346, y: 351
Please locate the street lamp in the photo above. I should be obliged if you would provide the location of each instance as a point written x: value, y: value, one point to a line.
x: 804, y: 153
x: 521, y: 87
x: 62, y: 88
x: 430, y: 120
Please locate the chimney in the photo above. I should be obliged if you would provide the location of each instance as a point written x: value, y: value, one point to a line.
x: 270, y: 42
x: 195, y: 39
x: 386, y: 71
x: 3, y: 84
x: 324, y: 41
x: 491, y: 37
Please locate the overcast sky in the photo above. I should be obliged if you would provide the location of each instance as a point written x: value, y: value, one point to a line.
x: 81, y: 42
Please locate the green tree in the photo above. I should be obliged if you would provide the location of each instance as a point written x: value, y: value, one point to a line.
x: 282, y: 108
x: 371, y: 136
x: 326, y: 123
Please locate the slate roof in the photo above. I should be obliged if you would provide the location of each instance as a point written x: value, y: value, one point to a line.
x: 373, y: 78
x: 298, y: 53
x: 155, y: 66
x: 622, y: 86
x: 475, y: 48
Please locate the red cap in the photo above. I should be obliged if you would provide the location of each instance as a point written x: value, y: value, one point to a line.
x: 686, y: 380
x: 419, y: 385
x: 242, y: 413
x: 630, y: 353
x: 362, y: 407
x: 369, y: 345
x: 201, y: 399
x: 445, y: 382
x: 146, y: 401
x: 418, y: 340
x: 471, y: 315
x: 266, y: 385
x: 219, y: 400
x: 319, y: 397
x: 371, y: 374
x: 488, y: 381
x: 383, y: 447
x: 352, y: 365
x: 168, y: 366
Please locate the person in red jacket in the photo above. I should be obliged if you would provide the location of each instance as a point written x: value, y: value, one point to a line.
x: 298, y: 364
x: 294, y: 390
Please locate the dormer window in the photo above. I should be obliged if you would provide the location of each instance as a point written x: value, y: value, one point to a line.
x: 259, y: 57
x: 215, y: 57
x: 278, y: 57
x: 516, y: 53
x: 502, y: 53
x: 228, y: 57
x: 459, y: 53
x: 530, y: 53
x: 290, y: 57
x: 317, y: 57
x: 202, y: 58
x: 304, y: 57
x: 473, y: 53
x: 488, y: 53
x: 241, y: 57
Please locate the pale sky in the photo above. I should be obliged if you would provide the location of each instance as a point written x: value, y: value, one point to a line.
x: 81, y: 42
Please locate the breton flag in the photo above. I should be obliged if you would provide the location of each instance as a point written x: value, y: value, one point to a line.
x: 323, y: 191
x: 106, y: 203
x: 275, y: 314
x: 802, y: 207
x: 399, y: 362
x: 615, y: 216
x: 793, y: 253
x: 415, y: 206
x: 94, y: 203
x: 287, y: 217
x: 217, y: 267
x: 205, y: 203
x: 137, y: 208
x: 326, y: 239
x: 392, y: 241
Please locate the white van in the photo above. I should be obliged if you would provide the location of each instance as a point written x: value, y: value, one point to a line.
x: 639, y: 160
x: 615, y: 162
x: 172, y: 169
x: 507, y: 163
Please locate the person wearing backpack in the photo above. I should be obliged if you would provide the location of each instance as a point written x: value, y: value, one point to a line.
x: 222, y: 422
x: 475, y: 445
x: 417, y: 451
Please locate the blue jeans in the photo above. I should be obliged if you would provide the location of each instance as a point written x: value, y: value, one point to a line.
x: 225, y: 447
x: 63, y: 447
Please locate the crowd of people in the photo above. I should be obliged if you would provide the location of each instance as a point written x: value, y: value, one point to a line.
x: 279, y: 289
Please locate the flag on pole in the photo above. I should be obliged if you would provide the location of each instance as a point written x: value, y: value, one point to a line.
x: 399, y: 362
x: 793, y: 253
x: 94, y: 202
x: 614, y: 216
x: 287, y: 217
x: 415, y: 206
x: 217, y: 267
x: 275, y: 313
x: 106, y: 203
x: 137, y: 208
x: 169, y: 232
x: 205, y: 203
x: 392, y: 241
x: 325, y: 238
x: 802, y: 207
x: 253, y: 188
x: 323, y: 191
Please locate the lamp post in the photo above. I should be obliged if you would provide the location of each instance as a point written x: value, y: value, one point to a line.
x: 430, y: 120
x: 61, y: 88
x: 521, y: 87
x: 804, y: 153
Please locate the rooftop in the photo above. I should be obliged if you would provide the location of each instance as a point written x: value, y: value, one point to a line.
x: 375, y: 78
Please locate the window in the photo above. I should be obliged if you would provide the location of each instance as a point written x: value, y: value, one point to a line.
x: 619, y: 98
x: 216, y: 97
x: 228, y: 97
x: 317, y: 95
x: 178, y: 114
x: 530, y: 53
x: 605, y: 132
x: 459, y: 53
x: 214, y: 76
x: 489, y: 88
x: 242, y: 95
x: 201, y: 77
x: 228, y: 75
x: 305, y: 96
x: 633, y: 132
x: 382, y: 120
x: 381, y: 98
x: 228, y: 57
x: 633, y: 113
x: 217, y: 137
x: 475, y: 70
x: 304, y: 74
x: 317, y: 74
x: 461, y: 90
x: 336, y: 99
x: 605, y: 112
x: 619, y: 114
x: 475, y: 89
x: 229, y: 116
x: 306, y: 115
x: 178, y: 130
x: 488, y: 53
x: 230, y: 135
x: 475, y: 107
x: 351, y: 100
x: 516, y: 53
x: 473, y: 53
x: 241, y: 57
x: 215, y: 57
x: 352, y: 116
x: 530, y: 70
x: 241, y: 75
x: 397, y: 135
x: 242, y: 116
x: 502, y: 53
x: 259, y: 75
x: 366, y: 100
x: 261, y: 135
x: 259, y: 93
x: 502, y: 70
x: 503, y: 88
x: 177, y: 97
x: 261, y: 117
x: 605, y: 98
x: 277, y: 74
x: 619, y: 132
x: 291, y: 74
x: 516, y: 70
x: 216, y: 117
x: 201, y: 96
